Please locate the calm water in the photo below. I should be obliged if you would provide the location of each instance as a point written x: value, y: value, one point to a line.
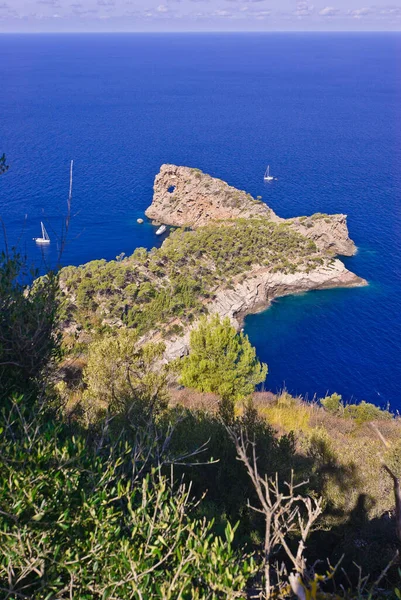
x: 323, y: 110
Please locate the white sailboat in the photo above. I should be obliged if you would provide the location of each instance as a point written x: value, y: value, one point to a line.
x: 45, y: 236
x: 267, y: 176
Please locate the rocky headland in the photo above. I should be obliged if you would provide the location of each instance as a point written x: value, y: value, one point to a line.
x: 187, y: 197
x: 230, y: 255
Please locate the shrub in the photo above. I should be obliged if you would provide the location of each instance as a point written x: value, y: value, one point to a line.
x: 333, y: 404
x: 28, y: 317
x: 76, y: 524
x: 288, y: 413
x: 120, y: 374
x: 225, y: 481
x: 365, y: 411
x: 362, y: 412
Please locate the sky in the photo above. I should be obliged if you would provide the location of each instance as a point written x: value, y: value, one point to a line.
x: 38, y: 16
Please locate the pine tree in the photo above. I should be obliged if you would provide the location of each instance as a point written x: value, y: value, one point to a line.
x: 221, y: 361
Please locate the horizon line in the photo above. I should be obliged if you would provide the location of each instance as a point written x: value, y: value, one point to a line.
x: 206, y: 32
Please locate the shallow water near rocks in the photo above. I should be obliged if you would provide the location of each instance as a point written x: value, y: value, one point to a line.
x: 322, y: 110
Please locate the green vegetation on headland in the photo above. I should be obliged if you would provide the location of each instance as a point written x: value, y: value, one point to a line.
x: 116, y: 485
x: 174, y: 283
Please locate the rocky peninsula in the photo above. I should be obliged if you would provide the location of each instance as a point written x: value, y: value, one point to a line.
x: 230, y: 255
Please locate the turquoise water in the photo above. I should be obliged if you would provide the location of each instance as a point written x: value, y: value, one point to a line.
x: 323, y: 110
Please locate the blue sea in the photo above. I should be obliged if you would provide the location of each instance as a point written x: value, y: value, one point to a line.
x: 323, y: 109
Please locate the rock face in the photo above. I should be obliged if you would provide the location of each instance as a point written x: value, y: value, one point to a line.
x: 188, y: 197
x: 329, y: 232
x: 260, y: 289
x: 184, y: 196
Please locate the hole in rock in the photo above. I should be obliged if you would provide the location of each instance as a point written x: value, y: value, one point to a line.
x: 171, y: 189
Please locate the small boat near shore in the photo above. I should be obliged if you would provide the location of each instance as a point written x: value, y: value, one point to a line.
x: 45, y: 239
x: 161, y: 230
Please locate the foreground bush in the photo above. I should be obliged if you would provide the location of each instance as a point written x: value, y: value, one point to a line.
x: 78, y: 524
x: 29, y: 343
x: 120, y: 373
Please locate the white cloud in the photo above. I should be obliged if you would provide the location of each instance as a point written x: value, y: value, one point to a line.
x: 261, y: 14
x: 222, y: 13
x: 391, y: 11
x: 84, y: 13
x: 329, y: 11
x: 304, y: 9
x: 360, y: 13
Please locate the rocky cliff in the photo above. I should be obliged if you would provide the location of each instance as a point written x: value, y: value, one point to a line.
x: 329, y: 232
x: 188, y: 197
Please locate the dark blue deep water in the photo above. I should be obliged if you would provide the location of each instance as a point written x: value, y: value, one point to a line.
x: 323, y: 110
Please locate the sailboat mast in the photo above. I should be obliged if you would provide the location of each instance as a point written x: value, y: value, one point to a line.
x: 70, y: 192
x: 67, y: 221
x: 45, y: 235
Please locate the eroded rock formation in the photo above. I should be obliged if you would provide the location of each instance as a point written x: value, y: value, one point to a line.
x: 185, y: 196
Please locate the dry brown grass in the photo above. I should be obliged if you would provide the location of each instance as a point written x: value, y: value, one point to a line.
x: 353, y: 447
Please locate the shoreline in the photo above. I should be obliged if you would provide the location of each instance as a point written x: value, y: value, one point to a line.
x: 259, y: 290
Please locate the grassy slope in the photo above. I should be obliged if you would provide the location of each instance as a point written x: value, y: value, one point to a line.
x: 347, y: 453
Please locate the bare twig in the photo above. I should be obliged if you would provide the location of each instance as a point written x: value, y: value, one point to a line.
x: 285, y: 512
